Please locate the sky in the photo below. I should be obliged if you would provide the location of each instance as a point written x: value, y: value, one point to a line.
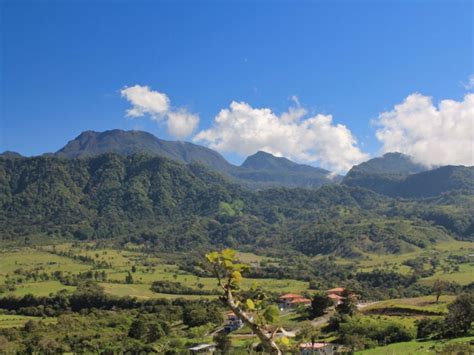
x: 327, y: 83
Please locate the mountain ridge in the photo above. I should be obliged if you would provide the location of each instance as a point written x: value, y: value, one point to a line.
x: 260, y: 170
x: 397, y: 175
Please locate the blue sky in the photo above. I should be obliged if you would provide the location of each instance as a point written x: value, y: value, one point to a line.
x: 64, y: 65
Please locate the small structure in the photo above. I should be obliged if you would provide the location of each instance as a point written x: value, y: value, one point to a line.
x: 292, y: 300
x: 233, y: 322
x: 319, y: 348
x: 336, y: 298
x: 203, y: 349
x: 336, y: 291
x: 335, y: 294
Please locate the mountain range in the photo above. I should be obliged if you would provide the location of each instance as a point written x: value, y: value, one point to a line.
x: 393, y: 174
x: 258, y: 171
x: 173, y: 206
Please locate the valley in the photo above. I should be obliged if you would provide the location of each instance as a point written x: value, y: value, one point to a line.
x: 107, y: 251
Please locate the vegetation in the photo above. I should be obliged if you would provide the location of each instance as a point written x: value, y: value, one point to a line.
x: 105, y: 254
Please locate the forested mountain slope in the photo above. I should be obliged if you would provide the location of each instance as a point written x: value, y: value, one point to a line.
x: 175, y: 206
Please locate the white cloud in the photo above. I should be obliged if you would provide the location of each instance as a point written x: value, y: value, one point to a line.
x: 470, y: 83
x: 431, y: 135
x: 245, y: 130
x: 182, y: 123
x: 156, y: 105
x: 145, y: 101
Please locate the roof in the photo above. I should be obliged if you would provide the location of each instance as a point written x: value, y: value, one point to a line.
x: 337, y: 289
x: 313, y: 345
x: 301, y: 300
x: 335, y: 297
x: 201, y: 347
x: 291, y: 295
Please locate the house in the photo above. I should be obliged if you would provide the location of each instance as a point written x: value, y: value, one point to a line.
x: 319, y: 348
x: 292, y: 300
x: 203, y: 349
x: 337, y: 300
x: 336, y: 291
x: 233, y: 322
x: 336, y: 295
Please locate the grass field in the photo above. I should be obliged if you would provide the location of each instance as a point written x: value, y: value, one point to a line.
x: 10, y: 321
x: 35, y: 260
x: 414, y: 347
x: 43, y: 288
x: 464, y: 276
x: 150, y: 268
x: 426, y: 303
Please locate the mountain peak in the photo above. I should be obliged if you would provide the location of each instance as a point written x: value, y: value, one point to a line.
x: 264, y: 160
x: 10, y: 154
x: 91, y: 143
x: 392, y: 163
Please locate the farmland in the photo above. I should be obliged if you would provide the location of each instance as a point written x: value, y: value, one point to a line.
x: 130, y: 271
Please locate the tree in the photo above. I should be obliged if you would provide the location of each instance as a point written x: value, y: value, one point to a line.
x: 223, y: 342
x: 319, y: 303
x: 137, y: 329
x: 460, y: 314
x: 155, y: 332
x: 129, y: 278
x: 428, y: 328
x: 439, y: 287
x: 308, y: 332
x: 347, y: 305
x: 254, y: 312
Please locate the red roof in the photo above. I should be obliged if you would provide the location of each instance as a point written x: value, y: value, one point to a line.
x: 291, y: 295
x: 335, y: 297
x: 301, y: 300
x: 337, y: 289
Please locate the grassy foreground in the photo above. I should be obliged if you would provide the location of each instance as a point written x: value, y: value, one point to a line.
x: 415, y: 347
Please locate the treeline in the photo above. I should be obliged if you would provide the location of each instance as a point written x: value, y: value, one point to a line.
x: 176, y: 288
x: 88, y: 295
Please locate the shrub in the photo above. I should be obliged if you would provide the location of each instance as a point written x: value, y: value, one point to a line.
x: 429, y: 328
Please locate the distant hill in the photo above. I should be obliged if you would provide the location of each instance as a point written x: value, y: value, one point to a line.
x: 437, y: 181
x: 261, y: 170
x: 265, y: 168
x: 10, y: 154
x: 396, y: 175
x: 389, y: 164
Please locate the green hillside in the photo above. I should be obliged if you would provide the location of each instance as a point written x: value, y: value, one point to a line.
x: 175, y: 206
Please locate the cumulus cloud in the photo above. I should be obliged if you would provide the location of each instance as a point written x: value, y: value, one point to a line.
x: 431, y: 135
x: 182, y: 123
x: 156, y: 105
x: 245, y: 130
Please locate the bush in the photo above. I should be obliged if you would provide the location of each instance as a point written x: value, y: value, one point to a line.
x: 429, y: 328
x: 176, y: 288
x: 381, y: 331
x: 460, y: 315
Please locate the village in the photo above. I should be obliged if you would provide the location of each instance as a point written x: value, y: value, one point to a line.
x: 288, y: 303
